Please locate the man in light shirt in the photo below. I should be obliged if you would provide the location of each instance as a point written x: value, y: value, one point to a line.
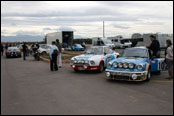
x: 53, y: 56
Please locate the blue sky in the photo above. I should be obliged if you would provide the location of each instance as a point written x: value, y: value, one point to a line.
x: 85, y: 17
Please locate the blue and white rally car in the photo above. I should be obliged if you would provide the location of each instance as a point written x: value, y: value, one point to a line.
x: 135, y: 64
x: 94, y: 58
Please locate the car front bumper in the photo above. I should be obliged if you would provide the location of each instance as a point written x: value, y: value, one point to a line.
x: 82, y: 67
x: 125, y: 75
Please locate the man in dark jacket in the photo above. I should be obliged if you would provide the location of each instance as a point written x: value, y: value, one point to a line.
x: 154, y: 46
x: 24, y: 49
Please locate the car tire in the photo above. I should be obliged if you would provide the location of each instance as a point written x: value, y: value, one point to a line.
x: 101, y: 67
x: 44, y: 53
x: 148, y: 75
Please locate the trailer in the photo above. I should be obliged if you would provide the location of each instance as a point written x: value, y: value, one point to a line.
x: 142, y: 40
x: 64, y: 37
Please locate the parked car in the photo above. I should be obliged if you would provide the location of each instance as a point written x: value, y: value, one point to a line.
x: 44, y: 48
x: 77, y: 47
x: 94, y: 58
x: 13, y: 52
x: 135, y: 64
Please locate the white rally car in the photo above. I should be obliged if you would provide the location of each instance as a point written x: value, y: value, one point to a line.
x: 94, y: 58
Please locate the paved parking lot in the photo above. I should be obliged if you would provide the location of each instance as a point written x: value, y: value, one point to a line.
x: 29, y: 87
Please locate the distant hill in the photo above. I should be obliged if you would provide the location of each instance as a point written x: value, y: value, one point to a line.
x: 21, y: 38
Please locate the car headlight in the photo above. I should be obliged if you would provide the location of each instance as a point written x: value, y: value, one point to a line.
x: 140, y: 67
x: 92, y: 62
x: 125, y: 65
x: 115, y: 64
x: 131, y: 65
x: 120, y: 65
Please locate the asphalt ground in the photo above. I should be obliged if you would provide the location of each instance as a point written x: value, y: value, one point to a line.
x: 29, y: 87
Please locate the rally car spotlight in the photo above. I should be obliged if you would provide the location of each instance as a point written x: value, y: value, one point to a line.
x: 140, y: 67
x: 131, y: 65
x: 115, y: 64
x: 108, y: 74
x: 125, y: 65
x: 120, y: 65
x: 134, y: 76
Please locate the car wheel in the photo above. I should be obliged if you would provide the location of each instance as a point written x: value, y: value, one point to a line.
x: 148, y: 75
x: 101, y: 67
x: 43, y: 53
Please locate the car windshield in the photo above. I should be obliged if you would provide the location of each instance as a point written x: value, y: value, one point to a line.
x: 142, y: 53
x: 78, y: 45
x: 98, y: 50
x: 106, y: 41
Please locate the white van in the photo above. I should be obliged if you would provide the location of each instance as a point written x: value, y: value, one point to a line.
x: 98, y: 41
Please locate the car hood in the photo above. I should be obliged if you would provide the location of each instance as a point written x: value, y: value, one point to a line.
x: 87, y: 57
x: 131, y: 60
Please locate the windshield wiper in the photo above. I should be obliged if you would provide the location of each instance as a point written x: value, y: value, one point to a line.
x: 139, y: 56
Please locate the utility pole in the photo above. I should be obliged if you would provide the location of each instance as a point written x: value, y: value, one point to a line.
x: 103, y: 29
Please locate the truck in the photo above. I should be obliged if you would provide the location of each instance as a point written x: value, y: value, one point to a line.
x: 64, y: 37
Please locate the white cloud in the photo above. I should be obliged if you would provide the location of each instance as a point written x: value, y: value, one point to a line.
x: 85, y: 17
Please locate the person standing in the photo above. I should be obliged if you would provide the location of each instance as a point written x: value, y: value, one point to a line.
x: 24, y: 49
x: 54, y: 51
x: 154, y: 46
x: 59, y: 46
x: 2, y: 49
x: 169, y: 58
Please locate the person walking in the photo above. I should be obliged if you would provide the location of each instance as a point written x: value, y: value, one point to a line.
x: 154, y: 46
x: 59, y: 46
x: 169, y: 58
x: 54, y: 51
x: 24, y: 49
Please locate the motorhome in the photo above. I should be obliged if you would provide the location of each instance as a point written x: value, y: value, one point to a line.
x: 100, y: 41
x: 120, y: 42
